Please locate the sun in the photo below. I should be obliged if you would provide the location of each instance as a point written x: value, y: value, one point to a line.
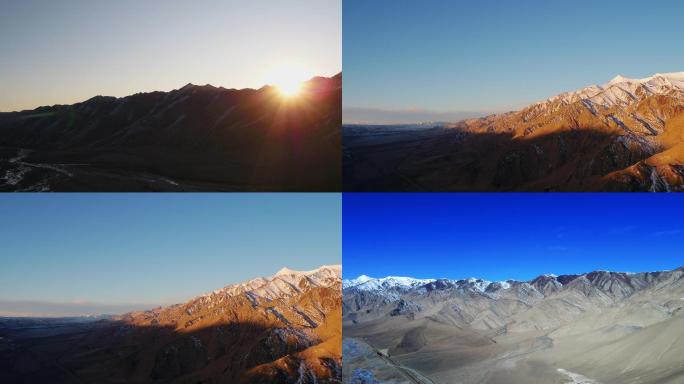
x: 288, y: 79
x: 289, y: 88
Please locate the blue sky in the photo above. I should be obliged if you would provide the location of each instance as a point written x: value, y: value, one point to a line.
x: 459, y: 58
x: 85, y: 253
x: 508, y: 235
x: 70, y: 50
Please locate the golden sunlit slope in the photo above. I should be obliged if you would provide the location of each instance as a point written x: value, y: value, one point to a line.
x: 283, y: 328
x: 622, y: 136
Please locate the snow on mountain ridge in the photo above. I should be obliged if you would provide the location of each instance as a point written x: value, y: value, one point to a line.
x: 287, y: 271
x: 618, y: 79
x: 359, y: 280
x: 365, y: 283
x: 478, y: 284
x: 622, y: 90
x: 286, y: 282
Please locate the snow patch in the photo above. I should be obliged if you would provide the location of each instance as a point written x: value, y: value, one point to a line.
x: 576, y: 377
x: 478, y: 284
x: 354, y: 282
x: 278, y: 315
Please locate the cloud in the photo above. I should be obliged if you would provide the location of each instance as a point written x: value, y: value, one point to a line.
x: 560, y: 232
x: 626, y: 229
x: 670, y: 232
x: 33, y: 308
x: 359, y: 115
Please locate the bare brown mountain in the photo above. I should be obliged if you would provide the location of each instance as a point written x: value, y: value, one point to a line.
x: 281, y: 329
x: 597, y: 327
x: 196, y: 138
x: 626, y: 135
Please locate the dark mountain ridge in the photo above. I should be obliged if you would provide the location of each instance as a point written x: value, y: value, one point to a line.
x: 195, y: 138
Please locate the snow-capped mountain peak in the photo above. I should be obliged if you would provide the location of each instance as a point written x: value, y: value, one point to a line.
x: 285, y: 271
x: 504, y: 284
x: 542, y: 284
x: 619, y: 79
x: 365, y: 283
x: 622, y: 91
x: 363, y: 279
x: 325, y: 269
x: 478, y: 284
x: 671, y: 80
x: 286, y: 282
x: 353, y: 282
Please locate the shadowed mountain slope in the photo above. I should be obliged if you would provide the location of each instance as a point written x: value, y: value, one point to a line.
x: 281, y: 329
x: 625, y: 135
x: 193, y: 138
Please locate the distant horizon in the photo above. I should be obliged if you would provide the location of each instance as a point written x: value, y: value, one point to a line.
x: 379, y: 116
x: 62, y: 52
x: 453, y: 57
x: 89, y: 254
x: 95, y: 309
x: 408, y: 116
x: 502, y: 236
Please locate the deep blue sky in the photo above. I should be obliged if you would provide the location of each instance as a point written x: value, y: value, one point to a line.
x: 94, y: 252
x: 70, y: 50
x: 508, y: 235
x: 494, y: 55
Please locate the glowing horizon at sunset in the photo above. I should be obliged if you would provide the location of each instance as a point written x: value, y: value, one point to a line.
x: 69, y: 52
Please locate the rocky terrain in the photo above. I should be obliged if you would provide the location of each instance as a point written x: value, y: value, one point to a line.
x: 625, y: 135
x: 195, y: 138
x: 597, y: 327
x: 281, y: 329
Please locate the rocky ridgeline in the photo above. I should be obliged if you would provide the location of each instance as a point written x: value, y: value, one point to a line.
x: 491, y: 305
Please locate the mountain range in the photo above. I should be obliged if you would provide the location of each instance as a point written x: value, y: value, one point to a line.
x: 598, y: 327
x: 195, y: 138
x: 625, y: 135
x: 279, y: 329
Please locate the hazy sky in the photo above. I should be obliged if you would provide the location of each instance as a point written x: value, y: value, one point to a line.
x: 93, y: 253
x: 459, y: 57
x: 508, y: 235
x: 67, y: 51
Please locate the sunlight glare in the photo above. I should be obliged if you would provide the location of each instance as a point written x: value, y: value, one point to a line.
x: 288, y: 79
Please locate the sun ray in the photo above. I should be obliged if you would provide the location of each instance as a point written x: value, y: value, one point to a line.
x: 288, y: 79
